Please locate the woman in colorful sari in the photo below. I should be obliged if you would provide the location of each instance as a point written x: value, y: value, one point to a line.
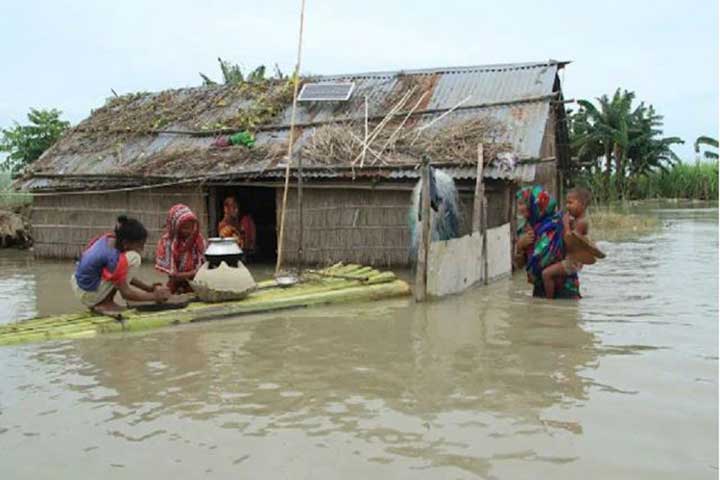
x: 543, y: 241
x: 180, y: 251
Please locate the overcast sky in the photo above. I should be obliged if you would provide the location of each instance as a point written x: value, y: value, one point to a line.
x: 69, y: 54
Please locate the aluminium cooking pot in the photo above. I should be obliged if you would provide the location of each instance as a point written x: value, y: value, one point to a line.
x: 223, y: 250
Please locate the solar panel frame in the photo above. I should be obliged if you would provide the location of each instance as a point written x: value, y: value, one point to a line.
x: 333, y: 92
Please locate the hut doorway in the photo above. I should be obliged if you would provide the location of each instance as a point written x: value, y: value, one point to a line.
x: 259, y: 204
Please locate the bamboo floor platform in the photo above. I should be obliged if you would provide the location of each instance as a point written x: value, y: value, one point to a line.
x: 315, y: 290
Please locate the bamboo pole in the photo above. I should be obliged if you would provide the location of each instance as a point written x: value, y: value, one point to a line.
x: 479, y: 191
x: 291, y: 140
x: 424, y: 244
x: 486, y: 280
x: 365, y: 140
x: 480, y: 210
x: 301, y: 246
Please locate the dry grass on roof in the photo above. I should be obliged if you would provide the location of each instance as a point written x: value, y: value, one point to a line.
x: 453, y: 142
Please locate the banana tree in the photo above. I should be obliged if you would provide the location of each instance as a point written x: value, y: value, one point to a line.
x: 709, y: 142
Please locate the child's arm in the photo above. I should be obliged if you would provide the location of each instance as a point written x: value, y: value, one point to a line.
x: 136, y: 282
x: 567, y: 231
x: 582, y: 226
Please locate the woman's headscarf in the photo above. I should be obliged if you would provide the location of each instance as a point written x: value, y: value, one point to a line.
x: 178, y: 255
x: 546, y: 221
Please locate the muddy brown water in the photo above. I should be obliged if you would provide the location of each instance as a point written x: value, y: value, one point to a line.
x: 489, y: 384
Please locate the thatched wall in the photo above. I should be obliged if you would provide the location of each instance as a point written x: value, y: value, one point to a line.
x: 63, y: 224
x: 366, y: 226
x: 362, y: 226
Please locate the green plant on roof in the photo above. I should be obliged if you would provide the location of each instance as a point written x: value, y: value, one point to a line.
x: 233, y: 74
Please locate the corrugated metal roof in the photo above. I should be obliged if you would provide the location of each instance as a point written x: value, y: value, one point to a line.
x: 524, y: 91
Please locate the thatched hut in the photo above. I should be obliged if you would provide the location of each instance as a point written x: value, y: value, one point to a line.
x: 141, y: 153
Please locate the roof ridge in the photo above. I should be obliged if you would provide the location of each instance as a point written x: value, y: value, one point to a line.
x: 447, y: 70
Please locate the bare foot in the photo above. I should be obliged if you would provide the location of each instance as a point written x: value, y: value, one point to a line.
x: 110, y: 309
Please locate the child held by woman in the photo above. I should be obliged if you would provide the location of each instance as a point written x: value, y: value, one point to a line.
x: 575, y: 222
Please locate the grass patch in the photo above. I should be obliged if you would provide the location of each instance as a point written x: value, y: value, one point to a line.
x: 609, y: 225
x: 684, y: 180
x: 690, y: 181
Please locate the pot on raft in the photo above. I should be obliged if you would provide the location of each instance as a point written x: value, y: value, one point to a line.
x: 223, y: 277
x: 221, y: 250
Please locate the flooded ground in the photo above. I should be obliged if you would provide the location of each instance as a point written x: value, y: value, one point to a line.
x: 490, y: 384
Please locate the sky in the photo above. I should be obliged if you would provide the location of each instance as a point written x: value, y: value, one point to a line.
x: 70, y: 54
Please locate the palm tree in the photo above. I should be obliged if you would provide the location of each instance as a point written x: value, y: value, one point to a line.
x: 710, y: 142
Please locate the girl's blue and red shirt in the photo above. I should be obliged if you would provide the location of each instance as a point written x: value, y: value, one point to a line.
x: 100, y: 261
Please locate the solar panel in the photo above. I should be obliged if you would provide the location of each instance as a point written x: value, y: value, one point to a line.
x: 326, y: 92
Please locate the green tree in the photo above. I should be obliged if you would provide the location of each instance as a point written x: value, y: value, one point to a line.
x: 627, y: 138
x: 709, y: 142
x: 25, y: 143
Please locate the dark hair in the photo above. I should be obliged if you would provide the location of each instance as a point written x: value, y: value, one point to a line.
x: 129, y: 230
x: 583, y: 194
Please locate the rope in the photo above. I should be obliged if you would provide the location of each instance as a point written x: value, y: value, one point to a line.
x: 109, y: 190
x: 291, y: 140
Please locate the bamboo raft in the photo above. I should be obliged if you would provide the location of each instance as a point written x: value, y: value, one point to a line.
x: 334, y: 286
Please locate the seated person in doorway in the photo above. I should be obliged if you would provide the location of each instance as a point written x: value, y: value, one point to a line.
x: 109, y: 264
x: 242, y: 228
x: 181, y: 250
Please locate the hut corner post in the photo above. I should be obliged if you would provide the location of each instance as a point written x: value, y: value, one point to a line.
x: 300, y: 252
x: 424, y: 244
x: 480, y: 210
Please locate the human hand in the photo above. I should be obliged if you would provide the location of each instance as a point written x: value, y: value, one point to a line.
x: 526, y: 240
x: 161, y: 294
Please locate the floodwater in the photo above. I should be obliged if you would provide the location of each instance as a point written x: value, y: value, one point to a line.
x: 490, y: 384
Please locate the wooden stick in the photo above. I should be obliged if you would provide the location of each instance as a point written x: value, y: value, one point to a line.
x: 486, y: 280
x: 397, y: 130
x: 300, y: 214
x: 444, y: 114
x: 291, y: 139
x: 479, y: 192
x: 376, y: 131
x: 365, y: 146
x: 337, y: 275
x: 424, y: 244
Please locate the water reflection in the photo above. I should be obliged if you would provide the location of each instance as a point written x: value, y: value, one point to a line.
x: 394, y: 375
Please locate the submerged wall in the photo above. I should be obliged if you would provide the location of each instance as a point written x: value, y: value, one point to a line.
x: 458, y: 264
x: 63, y: 224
